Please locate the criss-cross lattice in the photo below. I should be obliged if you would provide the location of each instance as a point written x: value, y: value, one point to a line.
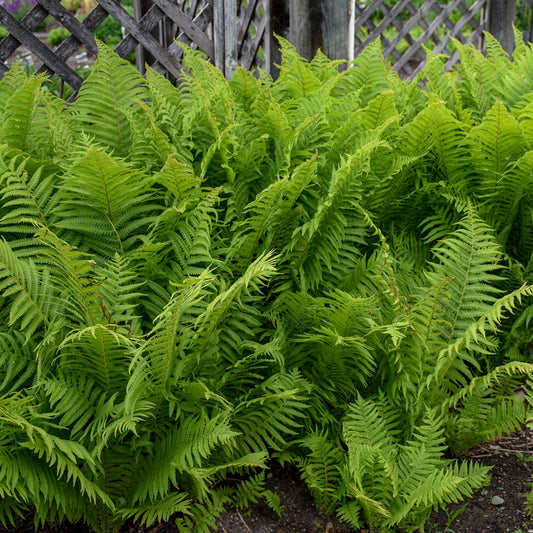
x: 161, y: 28
x: 404, y: 29
x: 253, y: 34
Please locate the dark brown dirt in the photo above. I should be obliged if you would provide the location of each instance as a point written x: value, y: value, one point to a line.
x: 511, y: 481
x: 299, y: 516
x: 511, y: 478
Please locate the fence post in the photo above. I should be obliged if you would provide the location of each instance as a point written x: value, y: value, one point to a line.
x: 219, y: 39
x: 501, y: 15
x: 322, y: 24
x: 231, y: 33
x: 225, y: 35
x: 140, y: 7
x: 336, y: 28
x: 278, y: 24
x: 300, y: 27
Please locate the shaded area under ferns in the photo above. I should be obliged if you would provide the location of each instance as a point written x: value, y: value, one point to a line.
x: 331, y: 269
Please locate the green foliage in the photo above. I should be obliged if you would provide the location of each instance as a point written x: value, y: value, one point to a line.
x: 321, y: 270
x: 57, y: 35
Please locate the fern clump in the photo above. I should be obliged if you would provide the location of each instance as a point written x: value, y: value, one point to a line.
x: 323, y: 270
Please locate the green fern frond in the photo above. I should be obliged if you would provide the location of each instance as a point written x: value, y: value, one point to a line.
x: 467, y: 259
x: 273, y: 414
x: 17, y: 362
x: 249, y: 491
x: 18, y: 114
x: 508, y: 206
x: 268, y: 213
x: 454, y: 364
x: 230, y: 309
x: 442, y: 84
x: 451, y: 149
x: 13, y: 79
x: 317, y: 244
x: 516, y: 86
x: 297, y: 79
x: 497, y: 143
x: 103, y: 199
x: 161, y: 356
x: 350, y: 513
x: 63, y: 455
x: 442, y: 486
x: 320, y: 468
x: 70, y: 274
x: 113, y: 84
x: 160, y: 511
x: 366, y: 80
x: 339, y: 358
x: 178, y: 180
x: 167, y: 106
x: 27, y: 291
x: 186, y: 233
x: 101, y: 353
x: 485, y: 415
x: 198, y: 437
x: 181, y: 451
x: 79, y: 405
x: 119, y: 288
x: 202, y: 517
x: 10, y: 508
x: 367, y: 426
x: 27, y: 196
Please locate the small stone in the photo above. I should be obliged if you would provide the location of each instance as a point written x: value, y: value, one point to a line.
x: 496, y: 500
x: 269, y: 475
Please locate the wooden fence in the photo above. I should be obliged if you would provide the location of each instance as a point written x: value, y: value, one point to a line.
x: 208, y: 25
x: 403, y: 26
x: 240, y: 32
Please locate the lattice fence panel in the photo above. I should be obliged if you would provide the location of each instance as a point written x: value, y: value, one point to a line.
x: 170, y: 33
x: 404, y: 29
x: 164, y: 24
x: 254, y: 34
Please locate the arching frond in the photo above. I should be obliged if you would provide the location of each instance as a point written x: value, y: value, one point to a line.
x: 26, y: 291
x: 18, y: 114
x: 113, y: 84
x: 106, y: 201
x: 27, y: 195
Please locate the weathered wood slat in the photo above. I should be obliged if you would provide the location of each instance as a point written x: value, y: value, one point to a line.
x: 142, y: 36
x: 28, y: 39
x: 431, y: 29
x: 149, y: 22
x: 219, y: 39
x: 393, y: 13
x: 69, y: 21
x: 71, y: 43
x: 249, y: 44
x: 411, y: 24
x: 188, y: 26
x: 202, y: 20
x: 247, y: 16
x: 232, y: 32
x: 31, y: 21
x: 363, y: 14
x: 230, y: 36
x: 250, y: 48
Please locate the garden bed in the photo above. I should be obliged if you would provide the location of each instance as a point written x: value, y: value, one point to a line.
x: 512, y: 467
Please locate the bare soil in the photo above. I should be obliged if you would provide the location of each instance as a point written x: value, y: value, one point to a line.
x: 511, y: 458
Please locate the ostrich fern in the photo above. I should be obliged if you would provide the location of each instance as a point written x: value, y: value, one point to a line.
x: 321, y: 269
